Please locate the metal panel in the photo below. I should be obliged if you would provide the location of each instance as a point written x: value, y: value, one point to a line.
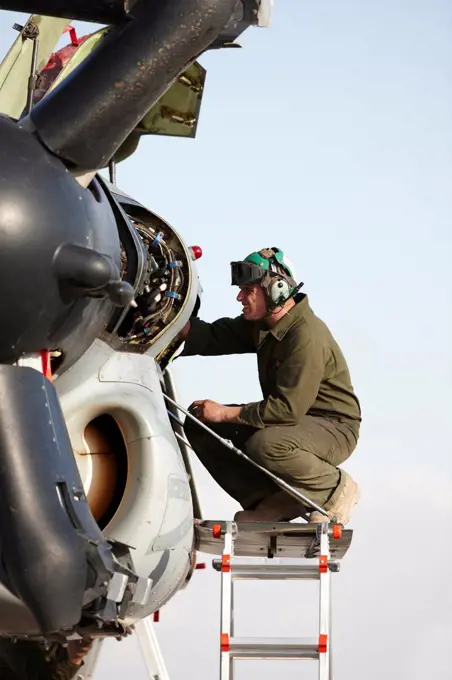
x: 15, y: 67
x: 255, y: 539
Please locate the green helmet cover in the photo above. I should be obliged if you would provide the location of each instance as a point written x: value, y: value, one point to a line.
x: 264, y: 262
x: 259, y: 266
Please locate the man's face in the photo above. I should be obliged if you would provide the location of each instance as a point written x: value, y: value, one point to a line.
x: 253, y: 300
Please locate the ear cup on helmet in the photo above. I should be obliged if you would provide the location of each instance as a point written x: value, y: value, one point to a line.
x: 279, y: 291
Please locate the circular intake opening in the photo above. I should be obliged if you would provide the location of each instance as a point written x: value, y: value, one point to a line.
x: 107, y: 453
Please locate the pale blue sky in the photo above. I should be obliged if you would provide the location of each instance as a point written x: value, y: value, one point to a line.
x: 330, y: 136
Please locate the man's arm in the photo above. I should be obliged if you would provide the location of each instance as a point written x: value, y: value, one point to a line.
x: 68, y: 661
x: 26, y: 659
x: 224, y: 336
x: 298, y: 380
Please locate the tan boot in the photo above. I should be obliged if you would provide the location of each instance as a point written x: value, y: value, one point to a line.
x: 316, y: 517
x: 277, y: 508
x: 342, y: 506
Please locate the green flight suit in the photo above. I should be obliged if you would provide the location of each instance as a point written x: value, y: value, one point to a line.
x: 307, y: 422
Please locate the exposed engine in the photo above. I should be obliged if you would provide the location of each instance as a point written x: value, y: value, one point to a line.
x: 160, y: 267
x: 164, y: 285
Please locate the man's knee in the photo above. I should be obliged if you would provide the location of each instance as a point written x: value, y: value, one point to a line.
x: 264, y: 443
x: 280, y: 451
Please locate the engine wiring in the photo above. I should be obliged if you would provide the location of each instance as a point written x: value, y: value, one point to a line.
x: 161, y: 289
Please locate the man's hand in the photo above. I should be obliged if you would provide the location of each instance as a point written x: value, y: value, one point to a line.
x: 182, y: 335
x: 77, y: 650
x: 207, y: 410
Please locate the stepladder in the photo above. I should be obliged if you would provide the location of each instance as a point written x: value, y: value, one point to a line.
x: 274, y: 551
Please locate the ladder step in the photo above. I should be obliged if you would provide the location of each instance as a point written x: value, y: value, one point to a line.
x: 270, y: 572
x: 274, y: 648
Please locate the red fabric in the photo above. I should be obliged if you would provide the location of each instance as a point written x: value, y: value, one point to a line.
x: 56, y: 63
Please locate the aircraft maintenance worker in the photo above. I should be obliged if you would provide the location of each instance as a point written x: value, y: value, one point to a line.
x: 30, y: 660
x: 308, y: 420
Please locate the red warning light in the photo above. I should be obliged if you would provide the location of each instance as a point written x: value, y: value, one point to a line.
x: 196, y: 252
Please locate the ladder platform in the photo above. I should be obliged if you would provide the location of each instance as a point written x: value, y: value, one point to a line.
x: 270, y: 539
x: 273, y: 648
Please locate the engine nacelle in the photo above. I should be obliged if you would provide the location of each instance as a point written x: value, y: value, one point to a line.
x: 131, y: 467
x: 132, y: 471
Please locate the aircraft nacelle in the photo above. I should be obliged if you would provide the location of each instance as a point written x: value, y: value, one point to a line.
x: 132, y: 471
x: 97, y: 500
x: 97, y: 512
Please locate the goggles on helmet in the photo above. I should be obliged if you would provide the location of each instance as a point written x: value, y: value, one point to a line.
x: 246, y: 273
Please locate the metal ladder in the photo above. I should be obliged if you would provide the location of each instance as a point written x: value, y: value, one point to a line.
x: 324, y: 543
x: 150, y: 651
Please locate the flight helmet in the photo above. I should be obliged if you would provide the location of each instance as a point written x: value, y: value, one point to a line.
x: 271, y: 269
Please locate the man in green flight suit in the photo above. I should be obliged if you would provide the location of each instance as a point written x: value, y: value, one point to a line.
x: 308, y: 421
